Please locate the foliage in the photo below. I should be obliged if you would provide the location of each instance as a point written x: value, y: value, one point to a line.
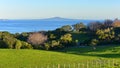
x: 26, y: 45
x: 95, y: 33
x: 47, y: 46
x: 52, y: 37
x: 94, y: 26
x: 94, y: 42
x: 55, y: 34
x: 3, y: 44
x: 66, y: 28
x: 108, y: 23
x: 66, y: 38
x: 23, y: 36
x: 18, y: 44
x: 8, y: 40
x: 53, y: 45
x: 116, y: 23
x: 78, y: 26
x: 37, y: 39
x: 106, y: 34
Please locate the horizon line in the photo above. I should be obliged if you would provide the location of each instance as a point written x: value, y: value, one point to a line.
x: 56, y: 18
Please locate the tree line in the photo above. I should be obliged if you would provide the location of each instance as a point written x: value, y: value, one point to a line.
x: 99, y: 33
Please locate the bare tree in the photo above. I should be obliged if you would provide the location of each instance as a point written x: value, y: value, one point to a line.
x: 37, y: 39
x: 108, y: 23
x: 95, y: 26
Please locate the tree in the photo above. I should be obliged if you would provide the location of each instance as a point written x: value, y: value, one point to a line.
x: 23, y: 36
x: 116, y: 23
x: 78, y: 26
x: 8, y: 39
x: 93, y: 26
x: 3, y: 44
x: 106, y: 34
x: 66, y: 28
x: 52, y: 36
x: 93, y: 43
x: 26, y: 45
x: 108, y: 23
x: 18, y: 44
x: 53, y: 45
x: 66, y: 38
x: 36, y: 39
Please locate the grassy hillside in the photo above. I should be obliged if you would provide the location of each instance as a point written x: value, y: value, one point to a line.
x: 109, y: 51
x: 32, y: 58
x: 10, y: 58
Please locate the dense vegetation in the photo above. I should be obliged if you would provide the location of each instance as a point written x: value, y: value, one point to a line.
x: 95, y: 33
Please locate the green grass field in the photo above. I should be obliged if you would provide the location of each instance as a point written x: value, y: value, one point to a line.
x: 10, y: 58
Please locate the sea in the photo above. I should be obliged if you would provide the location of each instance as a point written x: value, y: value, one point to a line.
x: 19, y: 26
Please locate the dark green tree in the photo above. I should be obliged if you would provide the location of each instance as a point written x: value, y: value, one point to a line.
x: 78, y: 26
x: 66, y: 28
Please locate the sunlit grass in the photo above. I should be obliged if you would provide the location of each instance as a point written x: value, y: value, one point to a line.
x: 12, y: 58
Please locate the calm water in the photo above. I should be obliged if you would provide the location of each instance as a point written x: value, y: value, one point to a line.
x: 14, y: 26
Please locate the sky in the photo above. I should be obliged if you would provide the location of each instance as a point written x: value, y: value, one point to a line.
x: 76, y: 9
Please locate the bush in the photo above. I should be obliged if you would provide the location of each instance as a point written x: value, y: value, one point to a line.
x: 53, y: 45
x: 3, y: 44
x: 18, y: 44
x: 106, y: 34
x: 8, y: 39
x: 26, y: 45
x: 66, y: 28
x: 37, y: 39
x: 93, y: 43
x: 66, y: 38
x: 47, y: 46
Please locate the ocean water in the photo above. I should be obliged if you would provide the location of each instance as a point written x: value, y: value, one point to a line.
x: 18, y: 26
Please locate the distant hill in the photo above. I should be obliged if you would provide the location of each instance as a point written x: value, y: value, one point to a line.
x: 57, y: 19
x: 67, y: 19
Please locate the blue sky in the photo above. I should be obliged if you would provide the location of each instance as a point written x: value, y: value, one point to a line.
x: 79, y: 9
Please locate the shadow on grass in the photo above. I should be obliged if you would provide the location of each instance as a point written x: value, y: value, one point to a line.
x: 101, y: 51
x: 104, y: 55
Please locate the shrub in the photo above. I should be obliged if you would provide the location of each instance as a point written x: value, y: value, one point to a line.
x: 8, y: 39
x: 47, y: 46
x: 18, y: 44
x: 106, y: 34
x: 78, y: 26
x: 37, y: 39
x: 3, y: 44
x: 53, y: 45
x: 66, y: 28
x: 93, y: 26
x: 93, y: 43
x: 66, y: 38
x: 26, y: 45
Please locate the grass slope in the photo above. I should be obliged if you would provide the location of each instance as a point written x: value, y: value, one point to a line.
x: 32, y: 58
x: 10, y: 58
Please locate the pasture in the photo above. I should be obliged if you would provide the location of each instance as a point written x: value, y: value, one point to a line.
x: 69, y: 57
